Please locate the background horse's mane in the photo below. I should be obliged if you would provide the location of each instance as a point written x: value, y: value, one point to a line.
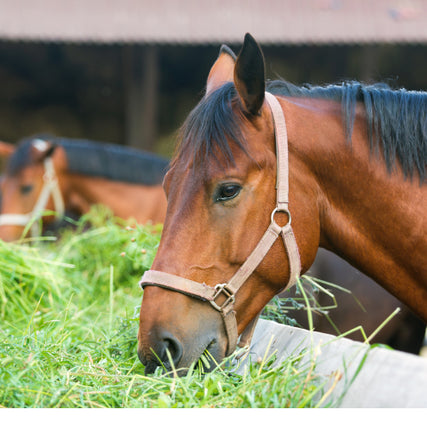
x: 396, y: 121
x: 110, y: 161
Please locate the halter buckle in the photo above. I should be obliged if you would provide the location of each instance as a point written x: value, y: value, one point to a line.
x: 221, y: 288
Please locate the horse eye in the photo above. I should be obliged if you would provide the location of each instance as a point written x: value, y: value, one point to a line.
x: 227, y: 192
x: 25, y: 189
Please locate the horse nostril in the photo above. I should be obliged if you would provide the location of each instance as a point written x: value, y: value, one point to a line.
x: 166, y: 352
x: 174, y: 348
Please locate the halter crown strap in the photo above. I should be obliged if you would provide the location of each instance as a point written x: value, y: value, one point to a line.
x: 282, y: 186
x: 50, y: 187
x: 226, y: 291
x: 281, y: 134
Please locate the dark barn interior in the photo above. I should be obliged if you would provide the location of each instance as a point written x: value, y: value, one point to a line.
x: 91, y: 91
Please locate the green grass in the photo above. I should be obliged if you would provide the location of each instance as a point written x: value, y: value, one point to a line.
x: 69, y: 318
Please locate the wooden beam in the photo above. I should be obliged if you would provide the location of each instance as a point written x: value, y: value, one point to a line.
x: 140, y: 73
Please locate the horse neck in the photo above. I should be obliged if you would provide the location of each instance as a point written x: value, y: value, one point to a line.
x: 367, y: 216
x: 126, y: 200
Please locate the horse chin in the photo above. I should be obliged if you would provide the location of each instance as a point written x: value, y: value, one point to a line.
x: 205, y: 358
x: 10, y: 233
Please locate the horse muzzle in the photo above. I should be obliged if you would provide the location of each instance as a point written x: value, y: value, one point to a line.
x: 176, y: 338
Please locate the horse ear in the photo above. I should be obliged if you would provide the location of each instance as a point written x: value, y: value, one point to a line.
x: 42, y: 149
x: 222, y: 71
x: 6, y: 149
x: 249, y: 75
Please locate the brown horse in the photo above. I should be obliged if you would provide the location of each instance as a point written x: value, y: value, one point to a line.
x: 355, y: 164
x: 64, y: 175
x: 348, y: 313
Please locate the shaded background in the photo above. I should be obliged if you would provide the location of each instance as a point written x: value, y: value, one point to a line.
x: 129, y: 72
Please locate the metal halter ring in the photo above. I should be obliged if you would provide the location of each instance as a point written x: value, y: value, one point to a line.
x: 286, y: 211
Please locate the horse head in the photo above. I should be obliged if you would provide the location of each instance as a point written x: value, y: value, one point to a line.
x: 29, y: 186
x: 221, y: 196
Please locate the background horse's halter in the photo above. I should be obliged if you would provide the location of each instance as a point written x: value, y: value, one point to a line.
x: 50, y: 188
x: 227, y: 291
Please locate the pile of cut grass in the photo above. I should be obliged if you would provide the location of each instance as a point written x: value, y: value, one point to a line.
x: 69, y: 318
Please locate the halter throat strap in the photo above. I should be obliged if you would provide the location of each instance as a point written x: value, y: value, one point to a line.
x: 50, y: 188
x: 222, y: 296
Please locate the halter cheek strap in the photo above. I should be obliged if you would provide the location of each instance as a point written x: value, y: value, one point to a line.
x: 50, y: 188
x: 226, y: 291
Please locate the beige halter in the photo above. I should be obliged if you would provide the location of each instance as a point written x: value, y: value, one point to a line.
x: 229, y: 290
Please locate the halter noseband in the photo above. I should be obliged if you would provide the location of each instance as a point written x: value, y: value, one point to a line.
x: 228, y: 290
x: 50, y: 188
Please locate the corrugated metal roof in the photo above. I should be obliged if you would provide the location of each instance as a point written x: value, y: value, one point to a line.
x: 215, y: 21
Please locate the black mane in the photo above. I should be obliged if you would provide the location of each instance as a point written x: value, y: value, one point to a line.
x: 110, y: 161
x: 208, y: 128
x: 396, y: 121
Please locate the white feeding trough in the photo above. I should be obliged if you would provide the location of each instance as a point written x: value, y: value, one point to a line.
x: 368, y: 377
